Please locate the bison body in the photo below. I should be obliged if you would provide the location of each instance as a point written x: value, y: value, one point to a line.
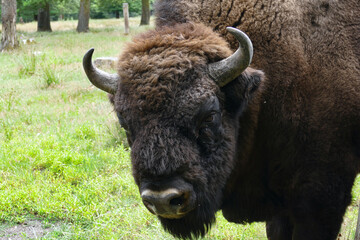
x: 283, y: 147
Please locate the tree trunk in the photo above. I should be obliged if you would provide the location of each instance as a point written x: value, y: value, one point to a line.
x: 8, y: 18
x: 84, y: 16
x: 145, y: 12
x: 44, y: 18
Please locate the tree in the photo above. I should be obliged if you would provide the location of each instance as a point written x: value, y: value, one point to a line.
x: 8, y: 18
x: 40, y: 9
x: 84, y: 16
x: 107, y: 8
x: 113, y: 8
x: 65, y: 9
x: 29, y: 9
x: 145, y: 12
x: 44, y: 17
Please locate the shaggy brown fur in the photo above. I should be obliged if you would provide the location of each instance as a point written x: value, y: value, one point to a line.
x: 146, y: 66
x: 162, y: 95
x: 310, y: 116
x: 285, y: 150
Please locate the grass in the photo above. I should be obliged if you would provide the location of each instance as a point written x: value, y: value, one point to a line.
x: 64, y: 158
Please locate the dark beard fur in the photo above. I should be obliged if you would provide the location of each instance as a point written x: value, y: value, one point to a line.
x: 188, y: 227
x: 195, y: 224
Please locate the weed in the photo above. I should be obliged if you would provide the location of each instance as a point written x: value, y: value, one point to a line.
x: 8, y: 100
x: 7, y: 129
x: 27, y: 65
x: 49, y: 76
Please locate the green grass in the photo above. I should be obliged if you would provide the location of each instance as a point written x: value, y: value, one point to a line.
x: 64, y: 158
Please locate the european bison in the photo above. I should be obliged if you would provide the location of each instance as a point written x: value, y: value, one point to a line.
x: 209, y: 133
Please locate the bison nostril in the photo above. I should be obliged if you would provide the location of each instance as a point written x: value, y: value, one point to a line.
x: 169, y: 203
x: 178, y: 201
x: 150, y: 206
x: 147, y: 203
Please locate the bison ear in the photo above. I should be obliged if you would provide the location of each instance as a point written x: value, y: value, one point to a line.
x: 242, y: 90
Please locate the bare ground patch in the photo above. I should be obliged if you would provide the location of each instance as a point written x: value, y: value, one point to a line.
x: 31, y: 229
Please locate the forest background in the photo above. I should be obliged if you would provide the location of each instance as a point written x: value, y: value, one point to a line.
x: 69, y: 9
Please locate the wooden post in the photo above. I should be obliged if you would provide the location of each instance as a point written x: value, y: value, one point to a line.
x: 357, y: 233
x: 126, y: 17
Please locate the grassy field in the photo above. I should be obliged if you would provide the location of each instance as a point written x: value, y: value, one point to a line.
x: 64, y: 160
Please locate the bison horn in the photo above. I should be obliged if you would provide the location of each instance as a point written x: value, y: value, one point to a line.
x: 228, y: 69
x: 103, y: 80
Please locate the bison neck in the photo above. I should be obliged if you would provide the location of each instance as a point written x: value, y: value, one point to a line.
x: 248, y: 195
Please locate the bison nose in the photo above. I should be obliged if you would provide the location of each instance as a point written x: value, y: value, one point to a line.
x: 170, y: 203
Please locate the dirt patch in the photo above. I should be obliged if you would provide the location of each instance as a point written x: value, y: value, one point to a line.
x: 31, y: 229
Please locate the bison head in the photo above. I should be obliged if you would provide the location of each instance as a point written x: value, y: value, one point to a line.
x: 179, y: 94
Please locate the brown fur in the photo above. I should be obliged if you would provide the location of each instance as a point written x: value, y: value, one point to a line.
x: 286, y: 150
x: 149, y: 59
x: 163, y: 86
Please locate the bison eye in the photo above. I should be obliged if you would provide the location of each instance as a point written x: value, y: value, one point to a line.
x: 210, y: 118
x: 209, y: 129
x: 208, y: 122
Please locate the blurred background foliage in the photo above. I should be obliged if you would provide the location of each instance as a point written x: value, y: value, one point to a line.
x: 69, y: 9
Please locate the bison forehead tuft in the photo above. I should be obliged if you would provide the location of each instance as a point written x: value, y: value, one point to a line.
x: 159, y: 64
